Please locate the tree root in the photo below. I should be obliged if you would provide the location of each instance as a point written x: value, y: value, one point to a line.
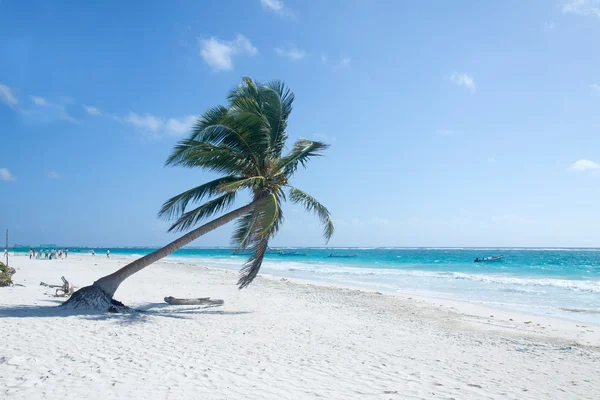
x: 94, y: 299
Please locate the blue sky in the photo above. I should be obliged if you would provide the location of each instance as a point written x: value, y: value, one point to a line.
x: 455, y: 123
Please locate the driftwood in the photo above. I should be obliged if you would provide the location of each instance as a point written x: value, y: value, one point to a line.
x: 66, y: 289
x: 199, y: 301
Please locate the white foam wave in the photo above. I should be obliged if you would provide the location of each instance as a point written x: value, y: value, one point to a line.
x: 322, y: 269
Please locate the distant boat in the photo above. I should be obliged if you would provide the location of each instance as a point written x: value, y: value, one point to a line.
x: 489, y: 259
x: 291, y: 253
x: 342, y: 255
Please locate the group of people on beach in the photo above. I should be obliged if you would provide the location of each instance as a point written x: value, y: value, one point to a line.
x: 107, y: 253
x: 47, y: 254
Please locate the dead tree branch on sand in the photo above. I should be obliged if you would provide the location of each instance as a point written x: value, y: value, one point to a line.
x: 66, y: 289
x: 188, y: 302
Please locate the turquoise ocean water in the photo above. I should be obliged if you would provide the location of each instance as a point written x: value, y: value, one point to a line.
x: 558, y: 282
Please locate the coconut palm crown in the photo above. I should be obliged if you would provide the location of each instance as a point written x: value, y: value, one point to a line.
x: 245, y: 142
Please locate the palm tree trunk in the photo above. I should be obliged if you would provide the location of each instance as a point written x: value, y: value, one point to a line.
x: 100, y: 295
x: 110, y: 283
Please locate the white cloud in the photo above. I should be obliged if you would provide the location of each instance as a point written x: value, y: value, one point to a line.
x: 273, y: 5
x: 345, y: 62
x: 595, y: 86
x: 52, y: 174
x: 584, y: 165
x: 178, y: 127
x: 39, y: 101
x: 292, y: 52
x: 218, y: 54
x: 92, y: 110
x: 7, y: 96
x: 155, y: 125
x: 590, y: 8
x: 147, y: 122
x: 446, y: 132
x: 277, y: 7
x: 6, y: 176
x: 549, y: 25
x: 491, y: 160
x: 464, y: 80
x: 324, y: 59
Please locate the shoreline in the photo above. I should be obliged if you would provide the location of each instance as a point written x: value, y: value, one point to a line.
x: 482, y: 313
x: 278, y: 338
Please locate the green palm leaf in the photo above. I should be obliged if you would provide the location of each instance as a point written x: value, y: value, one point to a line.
x: 252, y: 266
x: 254, y: 182
x: 208, y: 209
x: 278, y: 106
x: 191, y: 154
x: 312, y: 205
x: 177, y: 204
x: 302, y: 151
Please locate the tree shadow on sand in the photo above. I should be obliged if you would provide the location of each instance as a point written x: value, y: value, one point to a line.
x: 135, y: 315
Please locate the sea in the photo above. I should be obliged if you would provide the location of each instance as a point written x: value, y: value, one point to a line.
x: 559, y: 282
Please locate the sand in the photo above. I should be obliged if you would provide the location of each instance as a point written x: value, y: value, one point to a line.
x: 277, y: 340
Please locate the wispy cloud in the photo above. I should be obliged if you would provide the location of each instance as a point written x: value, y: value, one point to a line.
x: 464, y: 80
x: 446, y: 132
x: 277, y: 7
x: 291, y: 52
x: 6, y: 176
x: 7, y: 96
x: 91, y: 110
x: 179, y: 127
x: 588, y: 8
x: 45, y: 111
x: 39, y: 101
x: 491, y: 160
x: 52, y: 174
x: 146, y: 122
x: 344, y: 62
x: 584, y: 165
x: 156, y: 126
x: 218, y: 54
x: 595, y: 86
x: 549, y: 25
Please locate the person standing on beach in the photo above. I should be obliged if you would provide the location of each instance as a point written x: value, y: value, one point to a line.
x: 66, y: 253
x: 93, y: 252
x: 107, y: 253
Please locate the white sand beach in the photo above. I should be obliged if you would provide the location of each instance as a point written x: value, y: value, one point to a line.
x: 277, y: 340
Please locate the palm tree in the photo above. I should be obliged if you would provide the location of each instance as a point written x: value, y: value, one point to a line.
x: 244, y: 142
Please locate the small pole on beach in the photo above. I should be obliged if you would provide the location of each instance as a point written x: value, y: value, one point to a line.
x: 7, y: 247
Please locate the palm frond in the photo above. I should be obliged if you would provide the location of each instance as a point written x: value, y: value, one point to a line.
x: 278, y: 100
x: 227, y: 134
x: 222, y: 159
x: 254, y: 182
x: 312, y: 205
x: 264, y: 220
x: 210, y: 117
x: 176, y: 205
x: 245, y: 231
x: 208, y: 209
x: 302, y: 151
x: 252, y: 266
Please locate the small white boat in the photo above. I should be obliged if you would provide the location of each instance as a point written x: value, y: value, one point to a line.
x: 489, y: 259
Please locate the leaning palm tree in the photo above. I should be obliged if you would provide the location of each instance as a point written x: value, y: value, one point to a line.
x: 244, y: 142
